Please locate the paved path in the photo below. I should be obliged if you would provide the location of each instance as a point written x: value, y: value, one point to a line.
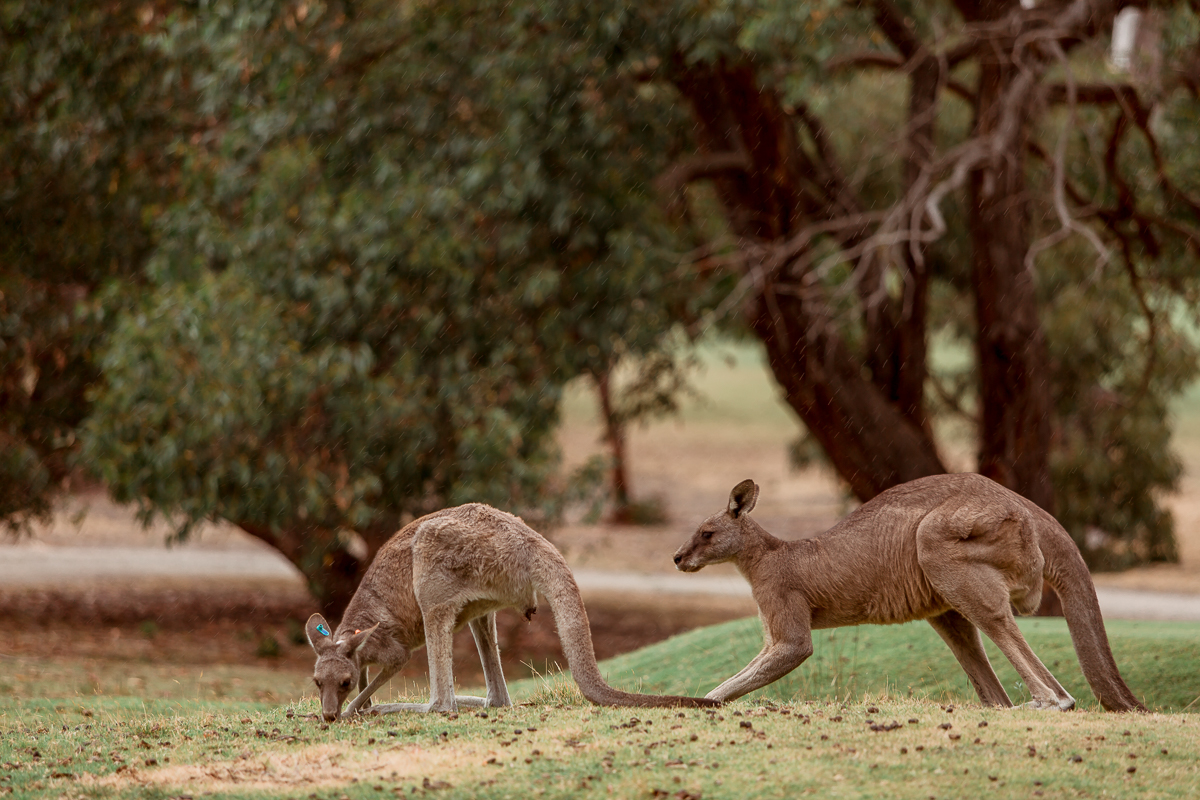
x: 1114, y: 603
x: 23, y: 565
x: 65, y: 566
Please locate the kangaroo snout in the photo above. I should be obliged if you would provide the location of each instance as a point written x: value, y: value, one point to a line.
x: 329, y: 717
x: 684, y: 559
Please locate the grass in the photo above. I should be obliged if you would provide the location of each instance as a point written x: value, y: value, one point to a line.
x: 1157, y: 659
x: 58, y: 677
x: 874, y: 748
x: 877, y: 711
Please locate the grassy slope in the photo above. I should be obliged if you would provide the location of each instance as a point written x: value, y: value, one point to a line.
x: 1157, y: 659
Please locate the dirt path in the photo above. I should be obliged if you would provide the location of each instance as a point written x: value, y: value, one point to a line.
x: 62, y: 566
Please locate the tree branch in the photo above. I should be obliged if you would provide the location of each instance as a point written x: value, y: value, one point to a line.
x: 671, y: 183
x: 1093, y: 93
x: 864, y: 58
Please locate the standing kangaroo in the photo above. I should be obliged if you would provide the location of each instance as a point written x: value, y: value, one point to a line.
x: 453, y: 568
x: 955, y: 550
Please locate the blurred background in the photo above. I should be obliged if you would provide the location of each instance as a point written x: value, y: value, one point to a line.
x: 278, y: 277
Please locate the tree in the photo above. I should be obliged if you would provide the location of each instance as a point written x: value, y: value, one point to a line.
x: 1028, y: 204
x: 87, y: 109
x: 399, y: 246
x: 398, y: 230
x: 652, y: 387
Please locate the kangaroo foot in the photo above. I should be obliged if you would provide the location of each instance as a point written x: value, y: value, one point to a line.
x: 1064, y: 704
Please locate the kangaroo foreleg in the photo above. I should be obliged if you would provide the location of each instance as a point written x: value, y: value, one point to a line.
x: 768, y: 667
x: 363, y: 680
x: 750, y: 669
x: 363, y: 700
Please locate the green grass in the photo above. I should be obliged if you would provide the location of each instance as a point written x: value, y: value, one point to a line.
x: 809, y: 734
x: 149, y: 680
x: 1158, y: 660
x: 826, y: 749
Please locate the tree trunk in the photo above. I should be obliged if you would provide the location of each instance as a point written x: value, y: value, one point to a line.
x: 1015, y: 431
x: 330, y: 570
x: 614, y: 436
x: 870, y: 442
x: 866, y: 409
x: 1014, y: 394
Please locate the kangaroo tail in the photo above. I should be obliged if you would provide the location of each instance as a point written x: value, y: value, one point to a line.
x: 560, y: 589
x: 1069, y: 576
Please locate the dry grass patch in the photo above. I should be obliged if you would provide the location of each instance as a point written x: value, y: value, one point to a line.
x: 308, y: 768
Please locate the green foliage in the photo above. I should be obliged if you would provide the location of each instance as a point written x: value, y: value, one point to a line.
x: 354, y: 251
x: 1114, y: 380
x: 88, y: 105
x: 400, y: 246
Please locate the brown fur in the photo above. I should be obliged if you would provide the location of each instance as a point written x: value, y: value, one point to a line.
x: 957, y: 550
x: 438, y: 574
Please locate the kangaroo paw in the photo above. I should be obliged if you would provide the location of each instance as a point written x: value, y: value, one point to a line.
x: 1064, y: 704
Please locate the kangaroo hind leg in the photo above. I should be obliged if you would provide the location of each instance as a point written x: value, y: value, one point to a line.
x: 984, y: 600
x: 963, y: 640
x: 978, y: 562
x: 439, y: 645
x: 486, y: 641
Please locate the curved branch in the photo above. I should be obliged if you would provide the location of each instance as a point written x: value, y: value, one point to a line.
x: 1092, y: 93
x: 675, y: 179
x: 864, y: 58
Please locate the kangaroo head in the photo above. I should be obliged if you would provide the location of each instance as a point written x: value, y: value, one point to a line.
x: 719, y: 538
x: 338, y: 666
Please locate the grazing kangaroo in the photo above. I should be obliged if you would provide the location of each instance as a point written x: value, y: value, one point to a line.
x: 453, y: 568
x: 955, y: 550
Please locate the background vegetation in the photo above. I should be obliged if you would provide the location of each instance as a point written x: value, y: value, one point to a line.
x: 315, y: 268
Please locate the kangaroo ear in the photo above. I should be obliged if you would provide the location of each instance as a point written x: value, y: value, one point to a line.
x: 354, y: 643
x: 742, y: 498
x: 319, y: 634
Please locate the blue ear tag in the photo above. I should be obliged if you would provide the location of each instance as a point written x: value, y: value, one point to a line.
x: 321, y: 629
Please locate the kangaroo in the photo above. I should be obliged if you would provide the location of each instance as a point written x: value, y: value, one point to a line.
x: 439, y: 573
x: 955, y: 550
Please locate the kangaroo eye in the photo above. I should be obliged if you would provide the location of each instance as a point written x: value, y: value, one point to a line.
x: 345, y: 684
x: 706, y: 535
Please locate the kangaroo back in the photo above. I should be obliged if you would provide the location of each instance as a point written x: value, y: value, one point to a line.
x: 557, y: 584
x: 1069, y: 576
